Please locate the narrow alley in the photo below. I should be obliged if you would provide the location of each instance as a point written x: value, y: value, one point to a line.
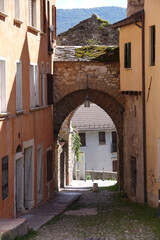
x: 103, y: 215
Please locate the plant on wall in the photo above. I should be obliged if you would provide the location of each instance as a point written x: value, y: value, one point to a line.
x: 76, y: 143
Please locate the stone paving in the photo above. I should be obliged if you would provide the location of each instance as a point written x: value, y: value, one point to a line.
x: 96, y: 216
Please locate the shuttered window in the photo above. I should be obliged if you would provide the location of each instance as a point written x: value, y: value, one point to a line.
x: 17, y: 8
x: 2, y: 5
x: 82, y: 139
x: 114, y: 142
x: 3, y: 90
x: 127, y: 55
x: 152, y: 45
x: 102, y: 138
x: 49, y: 165
x: 54, y: 21
x: 4, y: 177
x: 49, y: 89
x: 43, y: 75
x: 19, y: 85
x: 43, y: 15
x: 32, y: 13
x: 34, y: 85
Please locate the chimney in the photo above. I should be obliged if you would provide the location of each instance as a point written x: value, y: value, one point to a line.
x: 134, y: 6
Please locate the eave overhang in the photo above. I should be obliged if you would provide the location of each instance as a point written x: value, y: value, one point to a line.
x: 134, y: 18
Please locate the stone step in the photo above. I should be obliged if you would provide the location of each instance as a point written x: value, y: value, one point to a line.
x: 11, y: 228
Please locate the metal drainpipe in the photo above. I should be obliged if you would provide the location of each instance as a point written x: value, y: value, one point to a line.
x: 144, y: 105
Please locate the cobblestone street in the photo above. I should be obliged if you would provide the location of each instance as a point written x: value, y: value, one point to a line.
x: 103, y: 215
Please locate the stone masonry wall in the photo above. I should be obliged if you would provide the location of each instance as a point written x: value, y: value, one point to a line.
x: 90, y: 31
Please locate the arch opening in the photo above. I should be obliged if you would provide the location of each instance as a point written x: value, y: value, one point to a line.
x: 64, y: 109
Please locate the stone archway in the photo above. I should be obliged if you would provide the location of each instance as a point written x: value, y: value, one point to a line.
x: 109, y: 104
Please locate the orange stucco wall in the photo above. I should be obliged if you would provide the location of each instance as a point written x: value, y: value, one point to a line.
x: 130, y: 78
x: 18, y: 43
x: 152, y: 17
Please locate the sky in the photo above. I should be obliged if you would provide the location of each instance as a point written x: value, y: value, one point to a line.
x: 90, y: 3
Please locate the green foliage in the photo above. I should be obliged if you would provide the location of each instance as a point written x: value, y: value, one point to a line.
x: 88, y: 177
x: 30, y: 235
x: 67, y: 18
x: 76, y: 143
x: 98, y: 53
x: 92, y: 42
x: 113, y: 188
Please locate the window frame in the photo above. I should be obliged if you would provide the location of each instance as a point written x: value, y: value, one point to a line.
x: 32, y: 13
x: 34, y: 86
x: 3, y: 87
x: 102, y: 138
x: 82, y: 136
x: 15, y: 5
x: 127, y: 55
x: 19, y: 106
x: 3, y: 10
x: 152, y: 32
x: 43, y: 88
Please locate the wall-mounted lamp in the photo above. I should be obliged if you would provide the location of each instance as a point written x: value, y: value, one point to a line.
x: 87, y: 102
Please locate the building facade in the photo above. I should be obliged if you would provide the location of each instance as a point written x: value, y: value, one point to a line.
x: 139, y: 44
x: 27, y: 29
x: 98, y: 138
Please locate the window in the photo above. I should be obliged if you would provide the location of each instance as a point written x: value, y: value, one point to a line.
x: 82, y: 139
x: 34, y: 85
x: 42, y: 84
x: 114, y: 142
x: 152, y: 45
x: 102, y: 138
x: 127, y: 55
x: 43, y: 15
x: 4, y: 177
x: 2, y: 5
x: 49, y: 165
x: 3, y: 91
x: 19, y: 85
x: 33, y: 13
x: 17, y: 8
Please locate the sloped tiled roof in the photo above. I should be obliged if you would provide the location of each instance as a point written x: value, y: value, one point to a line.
x: 91, y: 118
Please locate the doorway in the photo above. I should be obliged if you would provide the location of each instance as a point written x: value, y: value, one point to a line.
x: 28, y: 175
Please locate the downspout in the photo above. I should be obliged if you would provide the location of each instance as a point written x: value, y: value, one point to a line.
x: 144, y: 106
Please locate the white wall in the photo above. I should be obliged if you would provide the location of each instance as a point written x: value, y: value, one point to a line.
x: 98, y: 156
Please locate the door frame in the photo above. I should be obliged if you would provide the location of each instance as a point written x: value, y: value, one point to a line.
x: 17, y: 157
x: 27, y: 144
x: 40, y: 146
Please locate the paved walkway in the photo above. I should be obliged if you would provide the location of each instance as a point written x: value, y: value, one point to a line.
x: 39, y: 216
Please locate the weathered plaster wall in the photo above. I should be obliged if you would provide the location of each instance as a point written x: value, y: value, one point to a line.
x: 19, y: 43
x: 133, y: 146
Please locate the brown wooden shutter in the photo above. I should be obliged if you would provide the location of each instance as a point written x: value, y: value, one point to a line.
x: 49, y: 89
x: 44, y: 16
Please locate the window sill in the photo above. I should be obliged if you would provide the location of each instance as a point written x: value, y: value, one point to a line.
x: 4, y: 115
x: 17, y: 21
x: 3, y: 14
x: 128, y: 68
x: 33, y: 29
x: 33, y: 109
x: 42, y: 34
x: 20, y: 112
